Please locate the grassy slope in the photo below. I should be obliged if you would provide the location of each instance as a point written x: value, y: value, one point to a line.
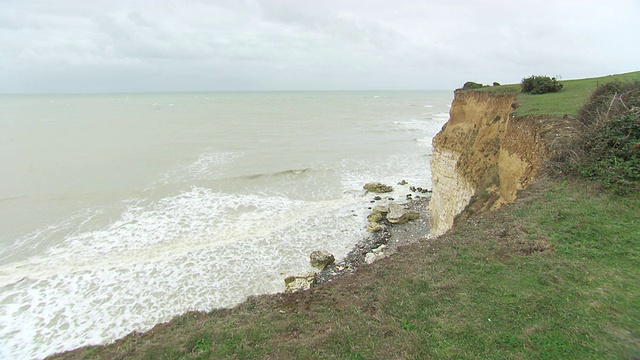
x: 568, y: 101
x: 555, y: 275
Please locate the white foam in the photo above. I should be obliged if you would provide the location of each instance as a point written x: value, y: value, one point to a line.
x: 196, y: 250
x: 206, y: 165
x: 205, y: 235
x: 41, y: 238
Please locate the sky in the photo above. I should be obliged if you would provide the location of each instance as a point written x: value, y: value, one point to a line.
x: 94, y: 46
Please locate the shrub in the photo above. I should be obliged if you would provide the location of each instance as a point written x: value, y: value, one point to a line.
x: 540, y: 85
x: 601, y: 102
x: 495, y: 83
x: 609, y: 150
x: 470, y: 85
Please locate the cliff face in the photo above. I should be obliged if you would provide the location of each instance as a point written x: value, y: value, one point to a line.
x: 483, y: 155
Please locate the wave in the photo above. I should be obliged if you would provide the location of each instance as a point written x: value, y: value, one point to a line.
x: 162, y: 258
x: 206, y: 165
x: 291, y: 172
x: 13, y: 198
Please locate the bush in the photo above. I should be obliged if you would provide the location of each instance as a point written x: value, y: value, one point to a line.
x: 470, y: 85
x: 540, y: 85
x: 609, y: 150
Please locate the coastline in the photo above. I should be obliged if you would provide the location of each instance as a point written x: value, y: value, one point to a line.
x: 526, y: 279
x: 391, y: 237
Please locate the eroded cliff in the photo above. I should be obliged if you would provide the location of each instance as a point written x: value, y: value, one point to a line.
x: 482, y: 155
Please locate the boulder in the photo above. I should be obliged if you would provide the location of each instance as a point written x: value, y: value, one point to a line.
x: 371, y: 257
x: 377, y: 188
x: 374, y: 227
x: 380, y: 209
x: 399, y: 215
x: 375, y: 217
x: 321, y: 259
x: 403, y: 182
x: 379, y: 249
x: 300, y: 282
x: 375, y: 254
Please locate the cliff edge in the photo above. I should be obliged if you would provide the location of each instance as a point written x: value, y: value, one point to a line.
x: 483, y: 155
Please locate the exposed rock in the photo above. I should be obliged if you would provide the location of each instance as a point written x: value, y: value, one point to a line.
x: 320, y: 259
x: 372, y: 257
x: 377, y: 198
x: 377, y: 214
x: 381, y: 209
x: 419, y: 189
x: 374, y: 227
x: 392, y: 236
x: 375, y: 217
x: 399, y: 215
x: 300, y: 282
x: 403, y: 182
x: 378, y: 188
x: 483, y: 148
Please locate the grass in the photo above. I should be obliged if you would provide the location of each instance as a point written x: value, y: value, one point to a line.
x: 566, y: 102
x: 555, y: 275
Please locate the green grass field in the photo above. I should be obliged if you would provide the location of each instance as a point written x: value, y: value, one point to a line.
x: 565, y: 102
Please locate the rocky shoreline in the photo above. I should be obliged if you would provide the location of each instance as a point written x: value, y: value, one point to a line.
x: 382, y: 243
x: 391, y: 226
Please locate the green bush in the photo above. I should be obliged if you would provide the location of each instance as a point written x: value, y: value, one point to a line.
x: 610, y: 141
x: 470, y: 85
x: 540, y: 85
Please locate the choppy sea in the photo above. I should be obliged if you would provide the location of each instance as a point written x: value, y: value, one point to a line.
x: 118, y: 212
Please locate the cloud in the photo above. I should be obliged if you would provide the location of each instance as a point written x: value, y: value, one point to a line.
x: 167, y: 45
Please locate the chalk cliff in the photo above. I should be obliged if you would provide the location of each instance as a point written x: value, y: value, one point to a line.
x: 482, y: 156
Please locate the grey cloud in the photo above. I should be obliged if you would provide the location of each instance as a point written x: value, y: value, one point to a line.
x: 167, y: 45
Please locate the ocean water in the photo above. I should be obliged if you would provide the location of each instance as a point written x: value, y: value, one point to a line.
x: 118, y: 212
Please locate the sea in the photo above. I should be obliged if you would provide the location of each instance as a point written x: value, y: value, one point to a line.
x: 121, y: 211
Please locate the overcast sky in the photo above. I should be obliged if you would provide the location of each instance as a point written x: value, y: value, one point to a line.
x: 198, y: 45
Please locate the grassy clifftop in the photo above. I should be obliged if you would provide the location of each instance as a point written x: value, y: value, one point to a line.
x: 566, y: 102
x: 555, y: 275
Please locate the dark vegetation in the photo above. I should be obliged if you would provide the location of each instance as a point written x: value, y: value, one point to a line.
x: 470, y: 85
x: 608, y: 149
x: 540, y: 85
